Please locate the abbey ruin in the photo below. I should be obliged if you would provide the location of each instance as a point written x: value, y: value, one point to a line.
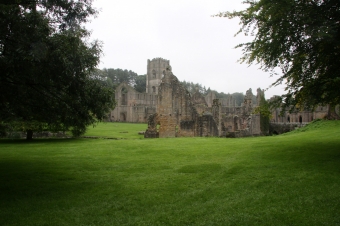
x: 171, y: 111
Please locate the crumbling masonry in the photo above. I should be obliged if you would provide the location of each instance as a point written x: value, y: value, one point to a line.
x: 180, y: 114
x: 133, y: 106
x: 171, y: 111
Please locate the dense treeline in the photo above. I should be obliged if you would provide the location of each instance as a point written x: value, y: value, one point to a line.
x: 114, y: 77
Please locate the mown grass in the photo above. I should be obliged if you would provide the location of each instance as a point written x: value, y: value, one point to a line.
x: 291, y: 179
x: 116, y: 130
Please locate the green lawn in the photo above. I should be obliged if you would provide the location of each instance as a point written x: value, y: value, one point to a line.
x: 291, y: 179
x: 117, y: 130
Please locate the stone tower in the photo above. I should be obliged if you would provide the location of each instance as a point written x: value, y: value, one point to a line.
x: 155, y: 72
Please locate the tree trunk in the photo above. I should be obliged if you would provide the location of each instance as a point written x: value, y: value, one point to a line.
x: 332, y: 115
x: 29, y: 134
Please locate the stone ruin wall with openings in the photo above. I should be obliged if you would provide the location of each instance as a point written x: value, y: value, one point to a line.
x: 171, y: 111
x: 180, y: 114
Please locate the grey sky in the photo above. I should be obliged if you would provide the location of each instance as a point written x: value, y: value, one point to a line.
x: 200, y: 47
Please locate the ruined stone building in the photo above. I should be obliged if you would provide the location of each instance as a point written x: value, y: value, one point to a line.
x: 180, y: 114
x: 171, y: 111
x: 133, y: 106
x: 286, y: 121
x: 299, y: 116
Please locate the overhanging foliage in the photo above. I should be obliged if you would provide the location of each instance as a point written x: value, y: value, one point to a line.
x: 302, y: 38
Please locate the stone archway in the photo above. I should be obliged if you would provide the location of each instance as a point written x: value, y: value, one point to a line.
x: 123, y: 116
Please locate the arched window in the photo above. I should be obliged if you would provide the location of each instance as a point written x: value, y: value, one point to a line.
x: 235, y: 123
x: 288, y: 119
x: 153, y: 74
x: 153, y: 89
x: 300, y: 119
x: 124, y: 96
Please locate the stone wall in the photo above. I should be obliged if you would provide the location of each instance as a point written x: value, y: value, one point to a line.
x: 297, y: 116
x: 174, y: 112
x: 199, y: 101
x: 132, y: 106
x: 175, y: 105
x: 179, y: 114
x: 283, y: 122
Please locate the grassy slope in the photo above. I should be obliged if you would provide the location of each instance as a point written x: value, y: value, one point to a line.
x: 292, y: 179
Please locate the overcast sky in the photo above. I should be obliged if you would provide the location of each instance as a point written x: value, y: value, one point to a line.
x: 200, y: 47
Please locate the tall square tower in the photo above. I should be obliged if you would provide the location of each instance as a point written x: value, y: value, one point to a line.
x: 155, y: 71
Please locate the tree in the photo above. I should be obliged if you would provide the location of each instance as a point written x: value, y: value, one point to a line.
x: 194, y: 87
x: 238, y: 97
x: 140, y: 83
x: 118, y: 76
x: 302, y: 38
x: 47, y: 66
x: 263, y: 109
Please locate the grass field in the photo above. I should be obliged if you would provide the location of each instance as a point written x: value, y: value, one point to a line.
x: 290, y: 179
x: 117, y: 130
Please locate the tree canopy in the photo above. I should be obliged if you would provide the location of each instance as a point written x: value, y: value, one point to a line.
x: 114, y: 77
x: 47, y: 65
x: 302, y: 38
